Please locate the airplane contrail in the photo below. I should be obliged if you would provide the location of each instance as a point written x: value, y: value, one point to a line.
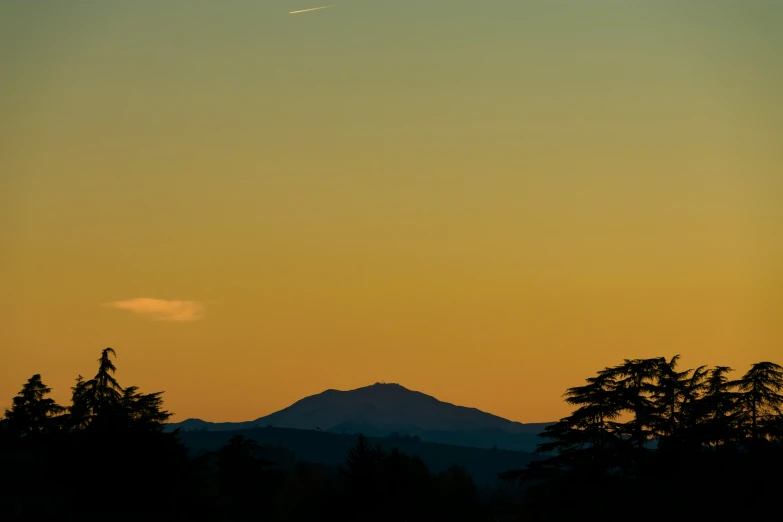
x: 312, y: 9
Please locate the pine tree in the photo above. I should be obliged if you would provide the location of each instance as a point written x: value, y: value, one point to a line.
x: 715, y: 410
x: 361, y: 475
x: 79, y: 411
x: 674, y: 394
x: 597, y: 409
x: 760, y: 397
x: 634, y: 388
x: 106, y: 391
x: 241, y: 472
x: 144, y: 411
x: 32, y: 412
x: 102, y: 404
x: 97, y: 403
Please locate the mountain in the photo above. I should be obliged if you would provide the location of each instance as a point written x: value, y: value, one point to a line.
x: 383, y: 409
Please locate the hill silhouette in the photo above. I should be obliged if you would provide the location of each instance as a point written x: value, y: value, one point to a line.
x: 384, y: 409
x: 330, y: 449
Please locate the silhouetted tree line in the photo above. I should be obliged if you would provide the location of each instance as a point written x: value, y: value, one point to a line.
x: 106, y: 456
x: 394, y: 486
x: 649, y: 441
x: 241, y: 482
x: 105, y: 453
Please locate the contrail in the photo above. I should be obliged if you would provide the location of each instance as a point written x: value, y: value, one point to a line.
x: 312, y: 9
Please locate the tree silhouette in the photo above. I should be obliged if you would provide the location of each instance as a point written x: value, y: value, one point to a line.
x: 144, y: 411
x: 391, y: 485
x: 457, y: 496
x: 715, y: 408
x: 32, y: 413
x: 310, y: 493
x: 597, y: 410
x: 363, y: 457
x: 127, y: 426
x: 101, y: 404
x: 585, y: 437
x: 97, y: 403
x: 689, y: 415
x: 646, y: 440
x: 674, y: 394
x: 242, y: 474
x: 759, y: 396
x: 361, y: 477
x: 79, y: 410
x: 697, y: 421
x: 405, y: 487
x: 111, y: 457
x: 634, y: 389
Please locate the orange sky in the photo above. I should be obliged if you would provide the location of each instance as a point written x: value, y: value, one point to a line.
x: 485, y: 202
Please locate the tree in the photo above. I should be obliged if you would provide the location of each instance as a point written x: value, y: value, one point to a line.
x: 688, y: 413
x: 362, y: 460
x: 714, y: 410
x: 32, y: 413
x: 674, y: 394
x: 144, y: 411
x: 760, y: 397
x: 114, y: 434
x: 97, y: 403
x: 597, y: 409
x: 242, y: 474
x: 105, y: 388
x: 403, y: 489
x: 457, y: 495
x: 694, y: 389
x: 102, y: 404
x: 633, y: 390
x: 79, y: 410
x: 361, y: 475
x: 587, y: 439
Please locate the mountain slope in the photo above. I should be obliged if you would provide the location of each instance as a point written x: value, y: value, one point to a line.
x: 382, y: 409
x: 385, y: 406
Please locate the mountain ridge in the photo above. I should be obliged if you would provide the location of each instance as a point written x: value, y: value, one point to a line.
x: 383, y: 409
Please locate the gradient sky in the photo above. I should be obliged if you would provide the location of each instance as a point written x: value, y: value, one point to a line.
x: 486, y: 201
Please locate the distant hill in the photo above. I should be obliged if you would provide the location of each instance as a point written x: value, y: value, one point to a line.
x: 384, y: 409
x: 285, y: 446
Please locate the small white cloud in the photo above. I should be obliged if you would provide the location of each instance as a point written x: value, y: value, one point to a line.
x: 162, y: 309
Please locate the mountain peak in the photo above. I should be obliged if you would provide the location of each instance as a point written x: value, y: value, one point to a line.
x: 382, y: 383
x: 386, y: 407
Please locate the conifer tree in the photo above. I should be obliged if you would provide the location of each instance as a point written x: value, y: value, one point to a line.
x: 32, y: 413
x: 760, y: 397
x: 715, y: 409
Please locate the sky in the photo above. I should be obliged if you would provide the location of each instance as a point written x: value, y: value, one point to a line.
x: 483, y: 201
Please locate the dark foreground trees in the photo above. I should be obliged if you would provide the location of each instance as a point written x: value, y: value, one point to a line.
x: 648, y: 440
x: 103, y: 455
x: 389, y: 486
x: 33, y: 413
x: 106, y: 456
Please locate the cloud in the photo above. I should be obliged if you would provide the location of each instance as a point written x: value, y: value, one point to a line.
x: 162, y: 309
